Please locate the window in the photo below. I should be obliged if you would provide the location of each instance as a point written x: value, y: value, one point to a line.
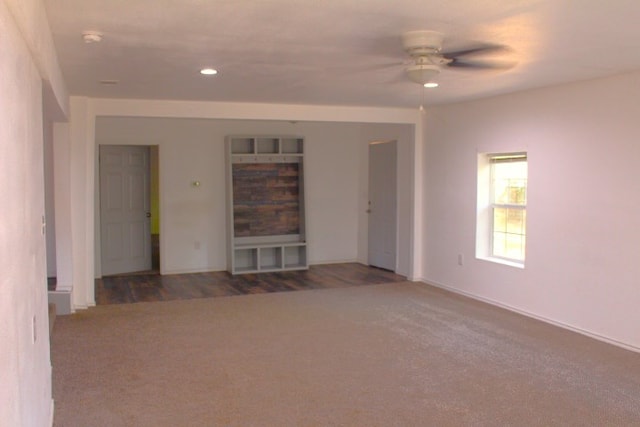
x: 509, y: 205
x: 502, y: 207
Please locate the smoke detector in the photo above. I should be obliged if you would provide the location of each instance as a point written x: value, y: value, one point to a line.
x: 91, y: 37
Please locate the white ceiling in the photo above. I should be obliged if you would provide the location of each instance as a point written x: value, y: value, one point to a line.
x: 333, y: 52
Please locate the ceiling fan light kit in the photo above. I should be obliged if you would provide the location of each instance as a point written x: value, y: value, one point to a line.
x: 422, y: 73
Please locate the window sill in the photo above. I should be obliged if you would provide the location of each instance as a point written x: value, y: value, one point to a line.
x: 502, y: 261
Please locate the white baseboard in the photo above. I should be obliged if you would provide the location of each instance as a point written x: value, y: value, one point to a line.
x: 337, y: 261
x: 532, y: 315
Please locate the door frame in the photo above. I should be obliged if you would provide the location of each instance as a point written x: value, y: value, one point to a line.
x: 96, y: 207
x: 396, y: 224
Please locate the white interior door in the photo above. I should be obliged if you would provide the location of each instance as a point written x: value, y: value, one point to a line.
x: 125, y: 231
x: 382, y: 205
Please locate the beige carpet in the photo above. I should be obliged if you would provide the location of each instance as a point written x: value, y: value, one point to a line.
x: 384, y: 355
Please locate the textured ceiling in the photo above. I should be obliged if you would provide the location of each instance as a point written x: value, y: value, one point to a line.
x: 335, y: 52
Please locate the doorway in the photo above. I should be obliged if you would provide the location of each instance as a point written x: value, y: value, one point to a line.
x: 125, y: 209
x: 383, y: 204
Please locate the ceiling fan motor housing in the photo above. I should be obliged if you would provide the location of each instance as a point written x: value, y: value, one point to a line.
x: 422, y: 42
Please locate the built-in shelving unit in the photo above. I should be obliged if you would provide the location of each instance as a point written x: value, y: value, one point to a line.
x: 265, y: 199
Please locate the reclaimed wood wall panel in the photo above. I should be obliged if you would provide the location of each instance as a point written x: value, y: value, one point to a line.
x: 266, y: 199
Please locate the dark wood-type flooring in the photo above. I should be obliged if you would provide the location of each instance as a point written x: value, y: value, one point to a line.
x: 141, y: 287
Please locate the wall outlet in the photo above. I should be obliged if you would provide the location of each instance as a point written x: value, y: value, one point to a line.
x: 197, y: 245
x: 460, y: 259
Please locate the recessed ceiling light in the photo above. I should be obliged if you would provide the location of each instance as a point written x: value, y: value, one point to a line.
x: 91, y: 37
x: 208, y: 71
x: 431, y: 85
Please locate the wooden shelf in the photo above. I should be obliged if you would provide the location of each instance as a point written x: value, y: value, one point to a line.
x: 243, y: 146
x: 267, y: 146
x: 264, y: 145
x: 245, y: 259
x: 269, y: 257
x: 262, y: 238
x: 295, y: 257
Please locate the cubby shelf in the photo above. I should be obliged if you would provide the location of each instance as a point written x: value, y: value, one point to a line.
x: 271, y: 166
x: 262, y: 258
x: 265, y: 145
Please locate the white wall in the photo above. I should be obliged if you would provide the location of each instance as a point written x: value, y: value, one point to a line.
x: 30, y: 19
x: 193, y: 219
x: 49, y: 196
x: 583, y: 237
x: 25, y: 371
x: 62, y: 206
x: 52, y: 114
x: 81, y: 196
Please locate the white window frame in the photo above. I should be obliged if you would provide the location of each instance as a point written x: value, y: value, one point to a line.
x: 486, y: 207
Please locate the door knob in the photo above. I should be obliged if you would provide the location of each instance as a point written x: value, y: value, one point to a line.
x: 148, y: 215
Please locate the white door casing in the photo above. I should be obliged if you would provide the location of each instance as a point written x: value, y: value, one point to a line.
x: 383, y: 204
x: 125, y: 226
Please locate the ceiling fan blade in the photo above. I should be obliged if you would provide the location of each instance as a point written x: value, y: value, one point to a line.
x: 397, y: 76
x: 481, y: 65
x: 387, y: 65
x: 486, y: 48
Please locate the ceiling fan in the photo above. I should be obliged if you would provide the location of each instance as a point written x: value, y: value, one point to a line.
x: 427, y: 58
